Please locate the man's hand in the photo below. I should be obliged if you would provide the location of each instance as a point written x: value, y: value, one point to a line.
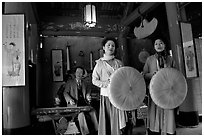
x: 88, y: 97
x: 72, y: 102
x: 57, y: 101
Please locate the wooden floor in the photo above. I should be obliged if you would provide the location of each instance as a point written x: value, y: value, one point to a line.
x: 197, y: 130
x: 46, y: 128
x: 190, y: 131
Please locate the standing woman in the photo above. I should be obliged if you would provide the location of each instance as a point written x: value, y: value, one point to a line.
x: 111, y: 119
x: 160, y: 121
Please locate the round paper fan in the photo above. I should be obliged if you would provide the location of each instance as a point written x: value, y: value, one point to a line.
x: 168, y: 88
x: 127, y: 88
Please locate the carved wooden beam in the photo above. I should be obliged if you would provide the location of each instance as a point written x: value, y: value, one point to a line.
x: 79, y: 33
x: 144, y: 7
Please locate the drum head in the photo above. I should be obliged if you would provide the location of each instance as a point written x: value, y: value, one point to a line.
x: 168, y: 88
x: 143, y: 55
x: 127, y: 88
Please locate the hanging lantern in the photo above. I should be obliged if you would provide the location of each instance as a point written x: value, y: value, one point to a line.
x: 90, y: 15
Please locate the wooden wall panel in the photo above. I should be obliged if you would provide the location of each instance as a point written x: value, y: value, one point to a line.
x: 77, y: 43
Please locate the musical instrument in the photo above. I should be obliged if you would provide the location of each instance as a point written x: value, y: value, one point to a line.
x: 58, y: 117
x: 54, y: 110
x: 48, y: 114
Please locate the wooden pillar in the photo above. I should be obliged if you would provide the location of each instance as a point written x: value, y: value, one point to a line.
x: 188, y: 115
x: 122, y: 42
x: 16, y: 112
x: 15, y: 99
x: 175, y: 36
x: 16, y: 105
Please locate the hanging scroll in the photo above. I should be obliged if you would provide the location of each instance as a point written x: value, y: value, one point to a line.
x: 13, y: 50
x: 57, y: 68
x: 189, y: 50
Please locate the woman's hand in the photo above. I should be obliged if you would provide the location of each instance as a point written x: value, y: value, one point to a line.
x: 154, y: 73
x: 107, y: 82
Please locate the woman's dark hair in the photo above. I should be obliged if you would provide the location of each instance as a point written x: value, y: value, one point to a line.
x: 161, y: 38
x: 110, y: 38
x: 165, y: 42
x: 164, y: 53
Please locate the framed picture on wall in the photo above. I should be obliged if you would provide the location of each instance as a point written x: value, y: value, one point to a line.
x: 190, y: 60
x: 13, y: 49
x: 57, y: 65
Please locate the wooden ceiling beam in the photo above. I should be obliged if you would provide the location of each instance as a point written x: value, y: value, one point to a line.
x: 78, y: 33
x: 144, y: 7
x: 128, y: 9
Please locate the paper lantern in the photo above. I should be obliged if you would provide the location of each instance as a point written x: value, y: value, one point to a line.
x: 127, y: 88
x: 168, y: 88
x: 146, y: 28
x: 90, y: 15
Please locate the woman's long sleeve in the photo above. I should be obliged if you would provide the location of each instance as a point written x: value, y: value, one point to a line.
x: 146, y: 71
x: 96, y: 77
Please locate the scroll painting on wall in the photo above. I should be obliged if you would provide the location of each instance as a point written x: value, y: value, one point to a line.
x: 189, y: 50
x: 57, y: 68
x: 13, y: 50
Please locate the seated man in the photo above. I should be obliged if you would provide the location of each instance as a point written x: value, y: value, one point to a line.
x: 76, y: 93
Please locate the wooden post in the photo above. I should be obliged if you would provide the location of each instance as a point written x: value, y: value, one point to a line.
x: 188, y: 115
x: 122, y: 42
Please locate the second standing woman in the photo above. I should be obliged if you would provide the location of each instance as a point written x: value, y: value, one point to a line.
x: 111, y: 119
x: 160, y: 121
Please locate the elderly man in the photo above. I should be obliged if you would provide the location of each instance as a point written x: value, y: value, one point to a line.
x: 77, y: 93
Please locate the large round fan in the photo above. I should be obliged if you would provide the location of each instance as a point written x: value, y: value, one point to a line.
x: 168, y: 88
x: 127, y: 88
x: 146, y: 28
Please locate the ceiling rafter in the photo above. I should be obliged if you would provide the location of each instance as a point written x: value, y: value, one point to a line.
x: 144, y: 8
